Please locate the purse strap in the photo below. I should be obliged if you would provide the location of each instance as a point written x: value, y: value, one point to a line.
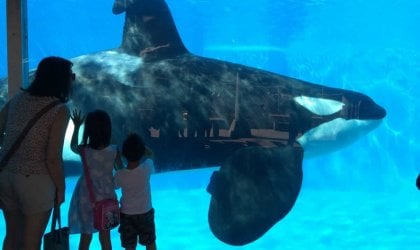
x: 25, y: 130
x: 56, y: 218
x: 87, y: 175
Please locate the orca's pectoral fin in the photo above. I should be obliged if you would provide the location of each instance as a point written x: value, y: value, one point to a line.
x: 254, y: 189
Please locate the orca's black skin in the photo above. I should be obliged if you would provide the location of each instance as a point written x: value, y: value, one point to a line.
x: 185, y: 105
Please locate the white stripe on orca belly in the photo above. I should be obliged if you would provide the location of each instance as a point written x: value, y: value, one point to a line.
x: 334, y: 135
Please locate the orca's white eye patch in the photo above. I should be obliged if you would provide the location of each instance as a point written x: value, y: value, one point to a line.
x: 319, y: 106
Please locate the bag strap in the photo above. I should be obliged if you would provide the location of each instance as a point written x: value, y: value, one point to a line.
x: 22, y: 135
x: 56, y: 217
x: 87, y: 175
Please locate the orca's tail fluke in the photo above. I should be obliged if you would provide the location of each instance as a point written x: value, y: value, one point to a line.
x: 254, y: 189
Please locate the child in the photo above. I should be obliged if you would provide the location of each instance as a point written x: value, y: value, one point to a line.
x: 100, y: 157
x: 137, y: 213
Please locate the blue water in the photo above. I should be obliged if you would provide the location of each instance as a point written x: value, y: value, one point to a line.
x: 361, y: 197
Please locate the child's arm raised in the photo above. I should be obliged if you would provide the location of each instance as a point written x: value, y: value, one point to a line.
x: 77, y: 118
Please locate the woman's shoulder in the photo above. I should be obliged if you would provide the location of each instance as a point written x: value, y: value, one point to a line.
x: 18, y: 96
x: 25, y: 99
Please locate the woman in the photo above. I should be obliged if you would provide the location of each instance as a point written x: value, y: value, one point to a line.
x: 33, y: 177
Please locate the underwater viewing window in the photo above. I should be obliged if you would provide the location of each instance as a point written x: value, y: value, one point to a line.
x: 51, y: 32
x: 274, y: 124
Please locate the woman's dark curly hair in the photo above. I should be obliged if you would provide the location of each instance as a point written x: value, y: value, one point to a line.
x: 53, y: 77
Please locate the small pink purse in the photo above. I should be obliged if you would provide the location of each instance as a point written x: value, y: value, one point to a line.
x: 106, y: 214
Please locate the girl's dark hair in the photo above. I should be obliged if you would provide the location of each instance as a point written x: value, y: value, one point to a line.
x: 133, y: 147
x: 52, y: 78
x: 97, y: 131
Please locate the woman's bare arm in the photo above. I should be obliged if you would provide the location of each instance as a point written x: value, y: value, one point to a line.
x: 55, y: 152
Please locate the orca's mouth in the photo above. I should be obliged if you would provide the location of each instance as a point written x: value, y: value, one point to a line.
x: 364, y: 110
x: 375, y: 112
x: 362, y: 107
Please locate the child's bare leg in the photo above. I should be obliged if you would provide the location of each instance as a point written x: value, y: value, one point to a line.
x: 105, y: 239
x: 85, y: 240
x: 151, y: 246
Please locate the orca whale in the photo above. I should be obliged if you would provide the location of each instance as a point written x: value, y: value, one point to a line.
x: 195, y: 112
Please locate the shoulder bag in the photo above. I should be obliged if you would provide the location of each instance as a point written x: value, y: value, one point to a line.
x: 57, y: 239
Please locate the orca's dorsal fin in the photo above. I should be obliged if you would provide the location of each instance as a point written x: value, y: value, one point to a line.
x: 149, y: 29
